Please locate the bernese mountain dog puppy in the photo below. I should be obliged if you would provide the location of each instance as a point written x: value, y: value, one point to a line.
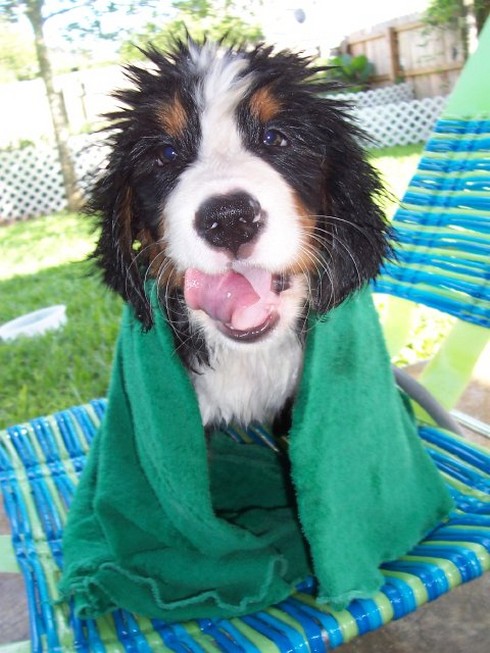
x: 243, y: 190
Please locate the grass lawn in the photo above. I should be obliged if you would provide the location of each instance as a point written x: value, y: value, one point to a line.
x: 43, y: 262
x: 396, y: 165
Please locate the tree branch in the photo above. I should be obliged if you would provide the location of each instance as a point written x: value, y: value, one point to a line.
x: 65, y: 10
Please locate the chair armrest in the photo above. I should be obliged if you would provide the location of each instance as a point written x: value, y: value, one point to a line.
x: 8, y: 563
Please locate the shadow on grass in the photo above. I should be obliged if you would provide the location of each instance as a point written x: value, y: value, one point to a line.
x: 61, y: 368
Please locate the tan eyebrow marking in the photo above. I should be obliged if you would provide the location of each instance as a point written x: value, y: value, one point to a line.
x: 173, y: 117
x: 264, y: 105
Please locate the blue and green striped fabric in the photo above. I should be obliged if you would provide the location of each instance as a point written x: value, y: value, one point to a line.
x: 39, y: 466
x: 442, y: 228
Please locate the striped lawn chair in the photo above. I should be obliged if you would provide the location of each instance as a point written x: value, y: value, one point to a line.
x: 443, y: 227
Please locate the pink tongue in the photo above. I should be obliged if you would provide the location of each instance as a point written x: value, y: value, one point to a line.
x: 242, y: 302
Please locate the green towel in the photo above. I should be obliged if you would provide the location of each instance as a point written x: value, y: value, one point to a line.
x: 167, y: 525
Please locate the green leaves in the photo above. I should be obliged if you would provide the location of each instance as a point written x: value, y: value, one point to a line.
x: 220, y: 20
x: 353, y: 70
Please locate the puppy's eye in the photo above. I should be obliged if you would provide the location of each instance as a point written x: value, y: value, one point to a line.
x: 274, y: 138
x: 166, y: 154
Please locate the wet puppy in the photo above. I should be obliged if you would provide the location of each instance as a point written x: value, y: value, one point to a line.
x: 244, y: 192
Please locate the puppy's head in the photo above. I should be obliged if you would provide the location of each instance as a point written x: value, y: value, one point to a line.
x: 240, y: 189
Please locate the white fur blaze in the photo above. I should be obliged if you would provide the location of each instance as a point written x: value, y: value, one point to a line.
x: 223, y: 166
x: 245, y: 381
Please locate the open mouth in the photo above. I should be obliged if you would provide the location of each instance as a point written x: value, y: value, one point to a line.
x: 243, y: 302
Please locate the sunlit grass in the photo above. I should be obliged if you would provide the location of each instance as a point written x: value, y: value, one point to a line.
x: 43, y: 262
x: 33, y: 245
x: 65, y: 367
x: 396, y: 165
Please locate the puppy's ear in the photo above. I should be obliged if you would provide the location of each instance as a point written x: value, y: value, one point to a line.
x: 352, y: 228
x: 116, y: 252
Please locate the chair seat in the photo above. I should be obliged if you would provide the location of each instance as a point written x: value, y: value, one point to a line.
x: 39, y: 466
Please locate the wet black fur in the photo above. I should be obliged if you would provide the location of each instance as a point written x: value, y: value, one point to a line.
x: 324, y: 163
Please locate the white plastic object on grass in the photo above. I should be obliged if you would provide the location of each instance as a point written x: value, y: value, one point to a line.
x: 35, y: 323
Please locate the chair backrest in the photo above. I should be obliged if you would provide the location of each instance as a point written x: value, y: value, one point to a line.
x: 442, y: 227
x: 442, y: 234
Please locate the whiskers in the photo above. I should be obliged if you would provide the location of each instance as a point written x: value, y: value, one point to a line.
x: 320, y: 247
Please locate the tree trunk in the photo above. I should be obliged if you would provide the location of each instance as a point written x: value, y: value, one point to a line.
x: 463, y: 29
x: 60, y: 125
x: 482, y: 12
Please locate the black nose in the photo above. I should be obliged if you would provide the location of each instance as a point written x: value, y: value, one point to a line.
x: 229, y: 221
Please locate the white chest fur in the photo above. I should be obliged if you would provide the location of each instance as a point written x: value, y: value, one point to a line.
x: 249, y: 382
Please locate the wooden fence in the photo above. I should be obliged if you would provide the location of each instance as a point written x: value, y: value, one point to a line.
x: 407, y: 50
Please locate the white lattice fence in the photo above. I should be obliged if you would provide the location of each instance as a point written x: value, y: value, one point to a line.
x: 89, y: 154
x: 401, y: 123
x: 31, y: 182
x: 376, y: 97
